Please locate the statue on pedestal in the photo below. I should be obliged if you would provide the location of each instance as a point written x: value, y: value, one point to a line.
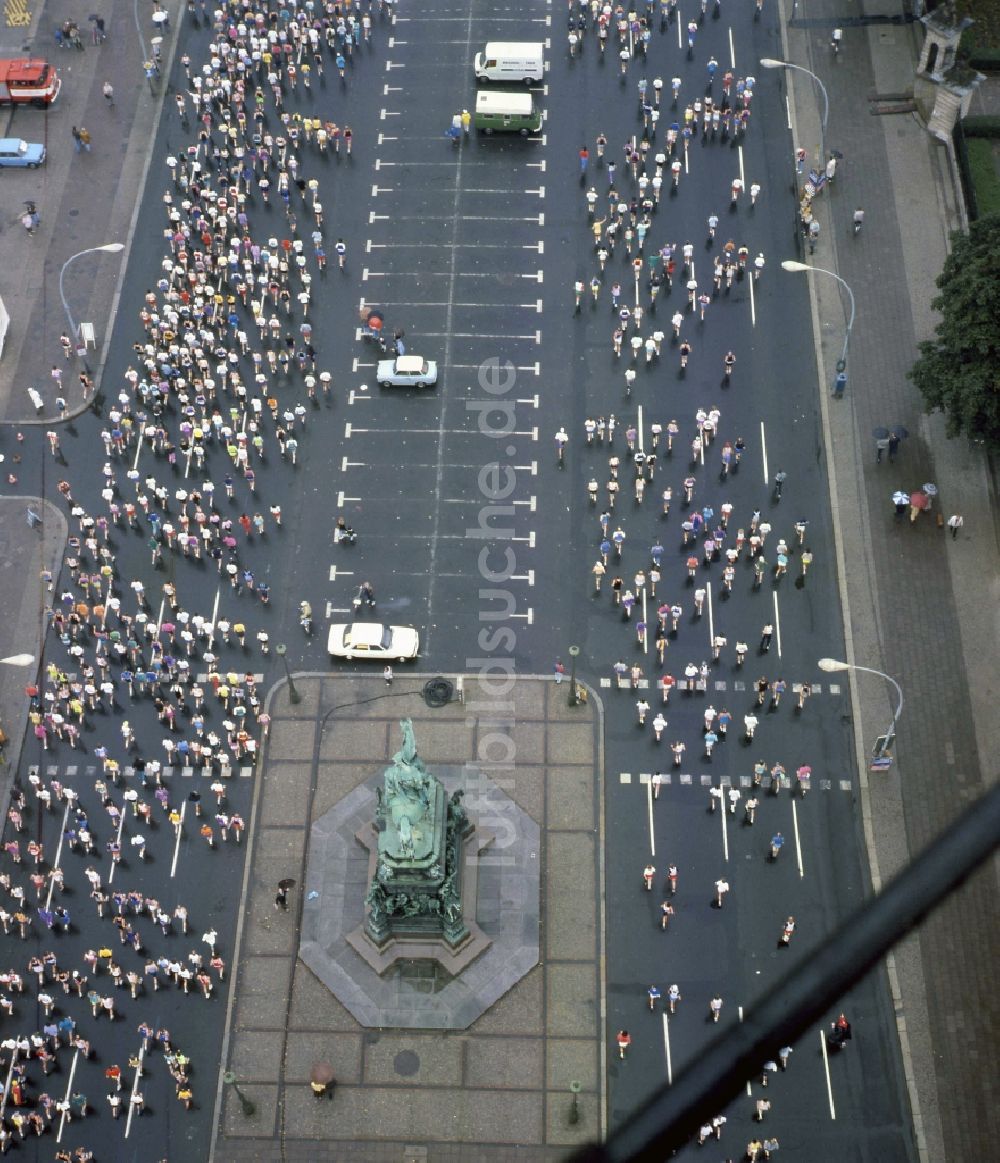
x: 416, y: 888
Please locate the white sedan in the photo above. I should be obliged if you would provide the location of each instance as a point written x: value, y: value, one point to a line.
x: 373, y: 640
x: 406, y: 371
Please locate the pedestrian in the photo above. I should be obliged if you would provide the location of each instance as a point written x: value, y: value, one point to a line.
x: 281, y: 897
x: 559, y: 671
x: 387, y: 675
x: 766, y: 634
x: 721, y: 888
x: 955, y: 522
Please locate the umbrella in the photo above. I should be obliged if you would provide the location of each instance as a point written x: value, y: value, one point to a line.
x: 321, y: 1073
x: 900, y: 498
x: 287, y: 883
x: 919, y: 500
x: 880, y: 433
x: 836, y: 153
x: 929, y: 489
x: 900, y: 431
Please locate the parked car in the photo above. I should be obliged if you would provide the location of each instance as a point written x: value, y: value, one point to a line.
x: 373, y: 640
x: 15, y: 151
x: 407, y: 371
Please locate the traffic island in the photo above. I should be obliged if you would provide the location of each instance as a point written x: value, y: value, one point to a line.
x: 486, y: 1059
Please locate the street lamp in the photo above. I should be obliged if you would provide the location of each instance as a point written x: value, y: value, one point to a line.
x: 791, y: 264
x: 883, y: 745
x: 293, y: 695
x: 107, y: 248
x: 246, y: 1106
x: 771, y: 63
x: 574, y: 654
x: 574, y: 1110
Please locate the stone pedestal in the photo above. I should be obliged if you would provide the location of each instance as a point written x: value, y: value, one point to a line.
x: 419, y: 938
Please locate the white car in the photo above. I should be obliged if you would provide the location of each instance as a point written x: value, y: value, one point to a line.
x: 373, y: 640
x: 407, y: 371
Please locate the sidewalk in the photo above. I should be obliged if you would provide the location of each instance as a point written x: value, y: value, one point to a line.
x: 84, y: 200
x: 918, y: 605
x: 497, y: 1090
x: 27, y: 554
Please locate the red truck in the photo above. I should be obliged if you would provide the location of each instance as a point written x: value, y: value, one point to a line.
x: 28, y: 81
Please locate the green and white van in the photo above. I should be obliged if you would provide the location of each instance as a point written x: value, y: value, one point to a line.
x: 507, y: 113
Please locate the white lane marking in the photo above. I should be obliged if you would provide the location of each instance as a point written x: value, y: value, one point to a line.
x: 711, y: 615
x: 777, y: 623
x: 177, y: 842
x: 69, y: 1091
x: 723, y: 810
x: 666, y: 1047
x: 649, y: 813
x: 118, y: 841
x: 826, y: 1067
x: 798, y: 840
x: 215, y: 615
x: 753, y: 304
x: 134, y: 1090
x: 438, y: 490
x: 763, y: 450
x: 732, y: 49
x: 55, y: 863
x: 639, y: 426
x: 645, y: 644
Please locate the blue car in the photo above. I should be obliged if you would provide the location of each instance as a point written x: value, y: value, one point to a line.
x: 14, y: 151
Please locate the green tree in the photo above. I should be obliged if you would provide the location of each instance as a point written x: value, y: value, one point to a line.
x: 958, y: 372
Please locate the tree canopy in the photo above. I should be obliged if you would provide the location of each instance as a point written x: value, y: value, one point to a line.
x: 958, y: 372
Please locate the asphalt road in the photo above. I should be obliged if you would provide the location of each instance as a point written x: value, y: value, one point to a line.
x: 470, y: 530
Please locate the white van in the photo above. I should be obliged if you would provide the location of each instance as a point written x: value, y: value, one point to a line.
x: 503, y: 61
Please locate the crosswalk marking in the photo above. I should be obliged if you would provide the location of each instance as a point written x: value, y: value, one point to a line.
x: 92, y: 771
x: 720, y: 684
x: 706, y: 779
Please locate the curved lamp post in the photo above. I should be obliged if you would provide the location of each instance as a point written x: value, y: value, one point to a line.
x: 107, y: 248
x: 246, y: 1106
x: 883, y: 745
x: 771, y: 63
x: 574, y: 654
x: 791, y: 264
x: 293, y: 695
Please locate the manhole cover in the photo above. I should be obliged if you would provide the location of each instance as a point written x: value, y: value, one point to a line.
x: 406, y: 1062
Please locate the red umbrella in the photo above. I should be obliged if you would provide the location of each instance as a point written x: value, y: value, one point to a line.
x: 919, y: 500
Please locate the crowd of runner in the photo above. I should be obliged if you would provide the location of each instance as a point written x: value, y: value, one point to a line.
x: 224, y: 379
